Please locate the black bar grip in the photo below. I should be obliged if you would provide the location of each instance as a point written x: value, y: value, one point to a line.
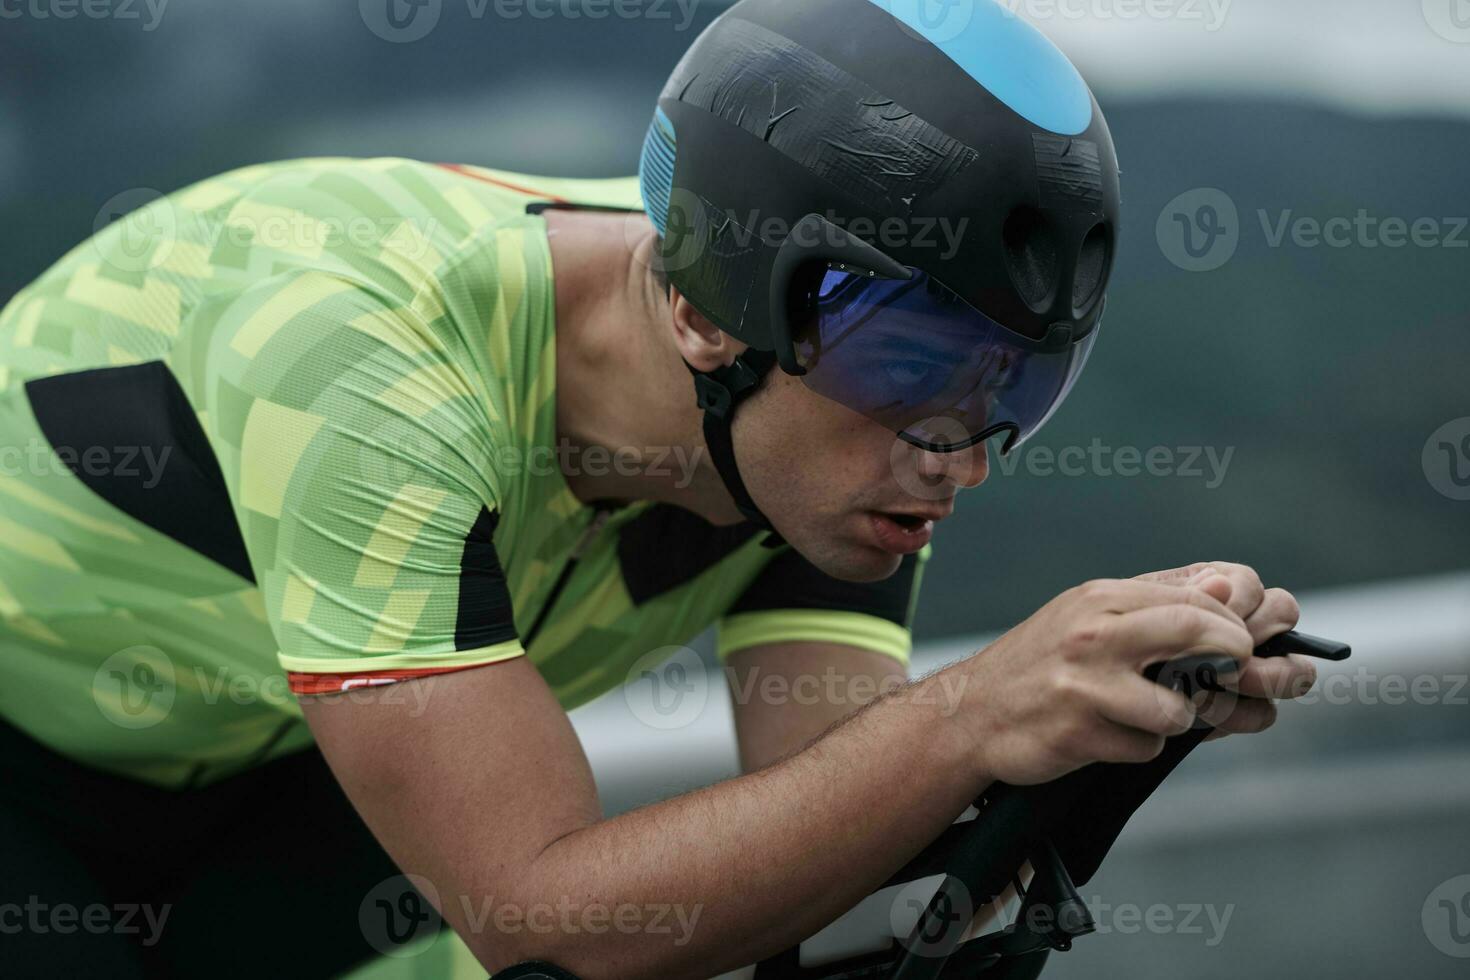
x: 1304, y: 643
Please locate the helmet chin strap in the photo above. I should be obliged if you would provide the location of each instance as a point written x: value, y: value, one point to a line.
x: 720, y: 392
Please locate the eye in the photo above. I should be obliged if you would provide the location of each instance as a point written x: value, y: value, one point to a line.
x: 1006, y: 373
x: 911, y: 372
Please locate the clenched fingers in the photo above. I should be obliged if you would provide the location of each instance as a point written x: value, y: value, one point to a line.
x: 1238, y: 715
x: 1277, y: 613
x: 1286, y: 677
x: 1246, y: 591
x: 1179, y: 629
x: 1137, y: 703
x: 1128, y: 595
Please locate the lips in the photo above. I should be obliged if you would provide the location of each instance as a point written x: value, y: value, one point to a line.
x: 901, y: 534
x: 918, y: 516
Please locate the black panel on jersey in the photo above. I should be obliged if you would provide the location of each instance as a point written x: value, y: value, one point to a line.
x: 792, y: 582
x: 668, y: 546
x: 106, y: 424
x: 485, y: 615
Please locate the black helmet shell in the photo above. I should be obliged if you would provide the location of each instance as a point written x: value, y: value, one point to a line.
x: 977, y: 155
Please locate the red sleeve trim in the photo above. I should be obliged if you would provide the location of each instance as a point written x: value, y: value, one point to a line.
x: 465, y: 171
x: 310, y: 684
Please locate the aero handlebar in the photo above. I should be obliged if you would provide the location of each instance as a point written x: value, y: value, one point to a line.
x: 1064, y: 829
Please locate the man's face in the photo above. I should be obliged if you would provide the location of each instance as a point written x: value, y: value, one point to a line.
x: 843, y: 490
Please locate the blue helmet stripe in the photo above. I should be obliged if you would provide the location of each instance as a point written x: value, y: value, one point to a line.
x: 1013, y: 60
x: 656, y: 170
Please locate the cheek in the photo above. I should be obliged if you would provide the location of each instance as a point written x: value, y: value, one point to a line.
x: 831, y: 453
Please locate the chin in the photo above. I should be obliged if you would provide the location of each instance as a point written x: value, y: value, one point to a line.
x: 850, y: 561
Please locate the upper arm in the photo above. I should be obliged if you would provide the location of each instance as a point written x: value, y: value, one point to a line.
x: 359, y: 454
x: 804, y: 650
x: 464, y: 778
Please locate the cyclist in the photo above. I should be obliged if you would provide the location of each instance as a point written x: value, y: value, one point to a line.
x: 292, y: 425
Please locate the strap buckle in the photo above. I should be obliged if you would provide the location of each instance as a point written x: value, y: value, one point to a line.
x: 713, y: 397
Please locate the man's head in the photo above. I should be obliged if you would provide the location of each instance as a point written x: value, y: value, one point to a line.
x: 915, y: 222
x: 835, y: 484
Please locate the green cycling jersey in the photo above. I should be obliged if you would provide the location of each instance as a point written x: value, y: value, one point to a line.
x: 292, y: 430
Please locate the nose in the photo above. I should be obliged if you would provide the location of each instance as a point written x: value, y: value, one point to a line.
x: 966, y: 469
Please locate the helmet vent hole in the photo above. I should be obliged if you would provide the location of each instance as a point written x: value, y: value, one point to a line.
x: 1092, y: 268
x: 1032, y: 258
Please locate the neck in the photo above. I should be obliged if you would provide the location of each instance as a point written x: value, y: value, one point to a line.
x: 625, y: 411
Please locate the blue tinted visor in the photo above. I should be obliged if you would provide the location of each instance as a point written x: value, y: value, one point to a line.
x: 916, y: 358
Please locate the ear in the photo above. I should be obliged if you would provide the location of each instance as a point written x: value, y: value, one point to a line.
x: 702, y: 344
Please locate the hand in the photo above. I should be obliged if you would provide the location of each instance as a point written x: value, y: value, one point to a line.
x: 1065, y: 688
x: 1267, y: 613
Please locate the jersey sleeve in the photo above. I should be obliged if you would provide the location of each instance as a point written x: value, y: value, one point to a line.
x: 794, y: 601
x: 359, y: 453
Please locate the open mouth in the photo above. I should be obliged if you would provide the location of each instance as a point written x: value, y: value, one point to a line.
x: 901, y: 534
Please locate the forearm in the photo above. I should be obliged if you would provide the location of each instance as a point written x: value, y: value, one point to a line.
x: 753, y: 865
x: 771, y: 726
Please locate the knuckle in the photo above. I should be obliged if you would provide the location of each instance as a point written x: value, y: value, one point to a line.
x: 1180, y: 722
x: 1292, y: 678
x: 1284, y: 605
x: 1188, y: 620
x: 1248, y: 716
x: 1176, y: 716
x: 1085, y: 637
x: 1067, y: 687
x: 1260, y: 716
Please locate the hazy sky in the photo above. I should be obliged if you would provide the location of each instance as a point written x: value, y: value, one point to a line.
x: 1372, y: 55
